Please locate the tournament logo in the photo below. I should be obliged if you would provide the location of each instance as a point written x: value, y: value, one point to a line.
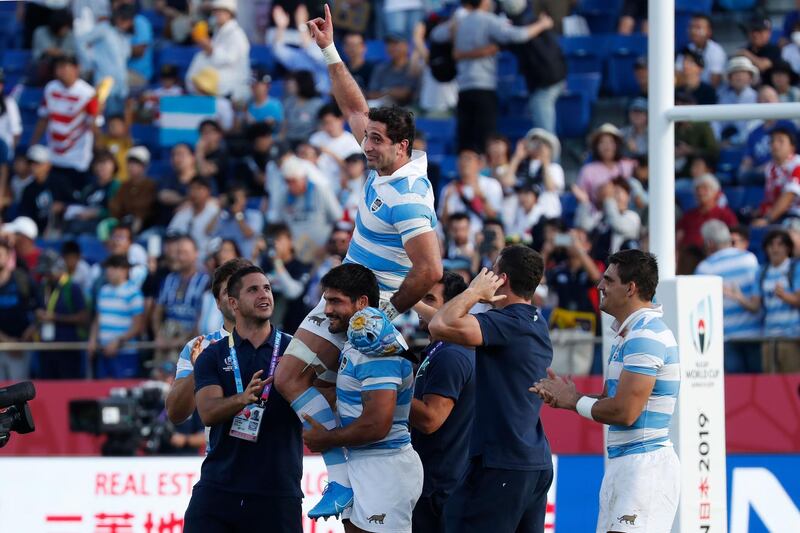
x: 376, y: 205
x: 701, y: 325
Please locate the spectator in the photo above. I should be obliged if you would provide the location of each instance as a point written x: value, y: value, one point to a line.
x: 738, y: 269
x: 212, y: 154
x: 334, y: 142
x: 45, y: 198
x: 301, y: 104
x: 50, y: 41
x: 706, y: 192
x: 472, y: 32
x: 237, y: 222
x: 782, y: 187
x: 140, y: 63
x: 306, y: 56
x: 742, y: 74
x: 633, y: 12
x: 20, y: 177
x: 289, y: 277
x: 10, y: 119
x: 308, y: 207
x: 692, y: 82
x: 67, y: 113
x: 778, y: 295
x: 790, y: 23
x: 205, y: 82
x: 228, y: 52
x: 791, y: 51
x: 92, y: 206
x: 105, y: 51
x: 175, y: 317
x: 262, y: 107
x: 608, y: 161
x: 634, y: 135
x: 612, y: 224
x: 355, y: 51
x: 693, y: 141
x: 395, y: 81
x: 478, y: 195
x: 488, y: 244
x: 458, y: 239
x: 168, y: 85
x: 174, y: 188
x: 87, y: 14
x: 119, y: 319
x: 641, y: 76
x: 757, y: 154
x: 75, y: 266
x: 436, y: 97
x: 353, y: 179
x: 574, y: 320
x: 535, y: 159
x: 250, y: 168
x: 400, y: 17
x: 136, y: 197
x: 533, y: 206
x: 759, y: 50
x: 740, y: 237
x: 120, y: 242
x: 118, y: 141
x: 498, y: 157
x: 712, y: 54
x: 18, y: 300
x: 60, y: 317
x: 197, y: 215
x: 784, y: 80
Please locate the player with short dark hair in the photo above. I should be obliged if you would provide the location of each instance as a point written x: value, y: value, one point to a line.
x: 642, y: 479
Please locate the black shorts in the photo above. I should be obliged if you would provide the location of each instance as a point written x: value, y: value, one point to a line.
x: 217, y: 511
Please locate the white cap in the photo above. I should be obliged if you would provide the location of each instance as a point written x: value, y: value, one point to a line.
x: 742, y: 63
x: 293, y: 168
x: 230, y: 5
x: 23, y: 226
x: 140, y: 154
x: 38, y: 154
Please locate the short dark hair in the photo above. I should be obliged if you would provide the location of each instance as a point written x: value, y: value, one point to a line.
x: 124, y: 227
x: 353, y: 280
x: 399, y: 124
x: 458, y: 215
x: 277, y: 229
x: 224, y: 272
x: 186, y: 237
x: 306, y: 87
x: 209, y: 122
x: 702, y: 16
x: 116, y: 261
x: 454, y: 285
x: 742, y: 230
x: 783, y: 130
x: 105, y: 155
x: 638, y: 267
x: 329, y: 109
x: 70, y: 248
x: 200, y: 180
x: 524, y: 267
x: 783, y: 235
x: 622, y: 183
x: 235, y: 280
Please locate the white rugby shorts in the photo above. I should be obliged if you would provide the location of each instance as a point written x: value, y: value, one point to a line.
x: 640, y: 493
x: 386, y: 487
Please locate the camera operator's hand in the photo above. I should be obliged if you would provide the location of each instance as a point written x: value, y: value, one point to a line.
x: 253, y: 390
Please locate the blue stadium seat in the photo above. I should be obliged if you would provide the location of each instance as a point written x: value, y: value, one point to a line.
x: 611, y: 6
x: 147, y: 135
x: 376, y: 51
x: 514, y: 127
x: 573, y: 114
x: 728, y: 164
x: 624, y: 50
x: 180, y: 56
x: 585, y: 53
x: 276, y: 89
x: 512, y: 87
x: 569, y: 204
x: 756, y: 241
x: 601, y: 15
x: 159, y: 169
x: 736, y: 197
x: 29, y: 101
x: 448, y: 167
x: 16, y: 61
x: 586, y: 83
x: 753, y: 196
x: 156, y: 20
x: 261, y: 56
x: 440, y: 134
x: 686, y: 199
x: 693, y: 6
x: 92, y: 249
x: 507, y: 65
x: 681, y: 30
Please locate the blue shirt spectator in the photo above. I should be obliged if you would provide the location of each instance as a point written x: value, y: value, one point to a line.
x: 141, y: 60
x: 182, y: 298
x: 758, y: 149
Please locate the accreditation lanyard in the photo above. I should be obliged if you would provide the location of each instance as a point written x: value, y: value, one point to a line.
x: 47, y: 332
x: 247, y: 423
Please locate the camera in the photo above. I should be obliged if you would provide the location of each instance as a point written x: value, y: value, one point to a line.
x: 15, y: 414
x: 132, y: 419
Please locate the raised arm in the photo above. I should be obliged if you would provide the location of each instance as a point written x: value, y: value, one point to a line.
x: 343, y: 87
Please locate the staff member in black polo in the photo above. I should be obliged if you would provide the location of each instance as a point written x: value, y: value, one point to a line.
x: 504, y: 489
x: 441, y: 411
x: 250, y: 481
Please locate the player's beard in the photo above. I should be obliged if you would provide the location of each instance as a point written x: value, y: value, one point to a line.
x: 341, y: 324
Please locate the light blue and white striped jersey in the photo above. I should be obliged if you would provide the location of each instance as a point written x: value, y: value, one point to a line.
x: 182, y: 300
x: 740, y: 268
x: 392, y: 210
x: 359, y: 373
x: 644, y: 345
x: 117, y: 306
x: 185, y: 366
x: 780, y: 318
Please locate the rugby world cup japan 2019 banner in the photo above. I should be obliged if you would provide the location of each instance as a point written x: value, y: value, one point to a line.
x: 128, y: 495
x: 693, y: 311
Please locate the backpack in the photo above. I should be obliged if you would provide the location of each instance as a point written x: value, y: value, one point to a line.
x: 440, y: 59
x: 789, y: 275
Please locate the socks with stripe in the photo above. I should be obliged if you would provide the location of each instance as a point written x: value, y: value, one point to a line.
x: 314, y: 404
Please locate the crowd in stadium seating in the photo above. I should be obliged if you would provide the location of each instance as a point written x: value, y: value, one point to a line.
x: 218, y: 138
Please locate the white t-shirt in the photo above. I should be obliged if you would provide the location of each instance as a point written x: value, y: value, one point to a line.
x: 342, y: 146
x: 70, y: 112
x: 554, y: 170
x: 548, y: 205
x: 10, y: 124
x: 401, y: 5
x: 492, y: 192
x: 188, y: 221
x: 714, y: 57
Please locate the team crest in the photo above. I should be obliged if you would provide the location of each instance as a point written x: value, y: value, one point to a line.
x: 700, y: 323
x: 376, y: 205
x: 343, y: 364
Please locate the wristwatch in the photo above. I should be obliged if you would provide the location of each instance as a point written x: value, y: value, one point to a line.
x: 239, y: 216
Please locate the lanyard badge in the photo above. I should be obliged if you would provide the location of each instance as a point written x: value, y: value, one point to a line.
x: 247, y: 423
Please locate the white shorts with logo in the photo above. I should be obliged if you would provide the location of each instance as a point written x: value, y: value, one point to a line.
x: 386, y: 487
x: 640, y: 492
x: 317, y: 323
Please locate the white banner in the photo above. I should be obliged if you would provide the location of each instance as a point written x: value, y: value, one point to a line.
x: 128, y: 495
x: 693, y: 311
